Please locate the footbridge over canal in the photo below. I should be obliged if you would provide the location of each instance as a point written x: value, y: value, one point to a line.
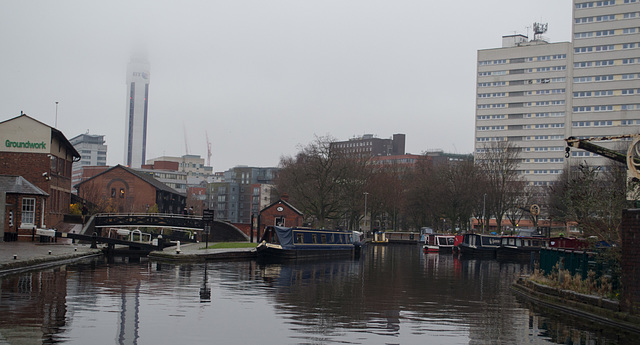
x: 172, y: 227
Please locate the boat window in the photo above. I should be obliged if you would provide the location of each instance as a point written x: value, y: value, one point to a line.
x: 323, y: 238
x: 299, y: 238
x: 451, y: 241
x: 315, y: 238
x: 490, y: 241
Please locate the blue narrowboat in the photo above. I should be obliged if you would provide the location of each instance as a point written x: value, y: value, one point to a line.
x: 478, y: 245
x: 304, y: 243
x: 520, y: 248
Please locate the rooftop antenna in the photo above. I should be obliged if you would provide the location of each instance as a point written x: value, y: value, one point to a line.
x: 539, y: 29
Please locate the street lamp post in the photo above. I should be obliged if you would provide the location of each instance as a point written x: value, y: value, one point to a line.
x: 365, y: 214
x: 56, y: 122
x: 484, y: 207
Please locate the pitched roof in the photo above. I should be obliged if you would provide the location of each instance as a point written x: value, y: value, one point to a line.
x: 142, y: 175
x: 19, y: 185
x: 150, y: 180
x: 280, y: 201
x: 54, y: 132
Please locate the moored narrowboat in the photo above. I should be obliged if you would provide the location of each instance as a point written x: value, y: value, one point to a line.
x: 439, y: 243
x: 568, y: 243
x: 304, y: 243
x: 380, y: 237
x: 479, y: 245
x: 520, y: 248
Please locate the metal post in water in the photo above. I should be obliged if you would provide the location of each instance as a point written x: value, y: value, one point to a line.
x: 178, y: 248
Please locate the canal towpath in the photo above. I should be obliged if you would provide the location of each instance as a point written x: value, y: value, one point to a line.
x: 21, y: 256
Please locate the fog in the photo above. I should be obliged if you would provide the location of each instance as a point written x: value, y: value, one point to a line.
x: 260, y: 78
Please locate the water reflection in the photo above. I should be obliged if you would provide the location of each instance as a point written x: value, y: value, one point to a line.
x: 393, y: 294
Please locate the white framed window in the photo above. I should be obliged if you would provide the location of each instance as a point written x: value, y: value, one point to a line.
x: 28, y: 212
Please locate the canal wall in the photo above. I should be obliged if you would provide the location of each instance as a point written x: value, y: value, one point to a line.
x: 594, y: 308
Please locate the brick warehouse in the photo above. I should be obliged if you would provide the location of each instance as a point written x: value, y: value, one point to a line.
x: 43, y: 156
x: 125, y: 190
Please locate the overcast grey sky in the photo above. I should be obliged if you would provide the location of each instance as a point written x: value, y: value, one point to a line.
x: 261, y: 77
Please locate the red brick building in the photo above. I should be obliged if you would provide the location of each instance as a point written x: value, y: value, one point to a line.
x: 280, y: 213
x: 43, y: 156
x: 125, y: 190
x: 21, y: 208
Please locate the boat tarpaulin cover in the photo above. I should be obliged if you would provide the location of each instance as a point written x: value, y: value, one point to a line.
x: 285, y: 235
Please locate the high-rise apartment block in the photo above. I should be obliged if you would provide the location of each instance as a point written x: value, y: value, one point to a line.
x: 138, y: 77
x: 535, y: 94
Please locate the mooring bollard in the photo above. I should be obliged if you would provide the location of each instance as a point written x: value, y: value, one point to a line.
x: 15, y: 256
x: 49, y: 252
x: 178, y: 248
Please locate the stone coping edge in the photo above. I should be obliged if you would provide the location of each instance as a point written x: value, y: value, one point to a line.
x: 589, y: 307
x: 39, y: 263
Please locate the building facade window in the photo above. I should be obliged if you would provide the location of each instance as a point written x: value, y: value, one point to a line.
x: 28, y: 211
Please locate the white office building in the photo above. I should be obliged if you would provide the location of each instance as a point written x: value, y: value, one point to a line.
x: 138, y: 77
x: 535, y: 94
x: 93, y: 152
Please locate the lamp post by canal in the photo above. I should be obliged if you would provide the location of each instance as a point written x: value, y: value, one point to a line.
x: 365, y: 214
x: 484, y: 206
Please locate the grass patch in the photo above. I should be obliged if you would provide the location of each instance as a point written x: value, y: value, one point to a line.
x: 226, y: 245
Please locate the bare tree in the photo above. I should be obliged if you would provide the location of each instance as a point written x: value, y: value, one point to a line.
x: 592, y: 197
x: 421, y: 206
x: 457, y: 191
x: 499, y: 161
x: 316, y: 180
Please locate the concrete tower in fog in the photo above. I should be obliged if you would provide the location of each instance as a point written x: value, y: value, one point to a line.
x: 135, y: 145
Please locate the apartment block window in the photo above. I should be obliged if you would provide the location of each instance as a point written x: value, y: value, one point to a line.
x: 582, y: 64
x: 121, y: 193
x: 28, y: 211
x: 603, y: 63
x: 113, y: 192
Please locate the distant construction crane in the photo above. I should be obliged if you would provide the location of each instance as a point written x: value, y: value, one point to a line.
x: 186, y: 144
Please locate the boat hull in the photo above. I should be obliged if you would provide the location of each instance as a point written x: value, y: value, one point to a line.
x: 518, y: 253
x: 273, y: 253
x: 480, y: 252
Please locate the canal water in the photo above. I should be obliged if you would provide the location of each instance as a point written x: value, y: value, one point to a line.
x: 392, y: 295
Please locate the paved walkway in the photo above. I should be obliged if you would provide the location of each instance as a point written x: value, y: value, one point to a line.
x: 195, y: 252
x: 20, y: 256
x: 17, y: 256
